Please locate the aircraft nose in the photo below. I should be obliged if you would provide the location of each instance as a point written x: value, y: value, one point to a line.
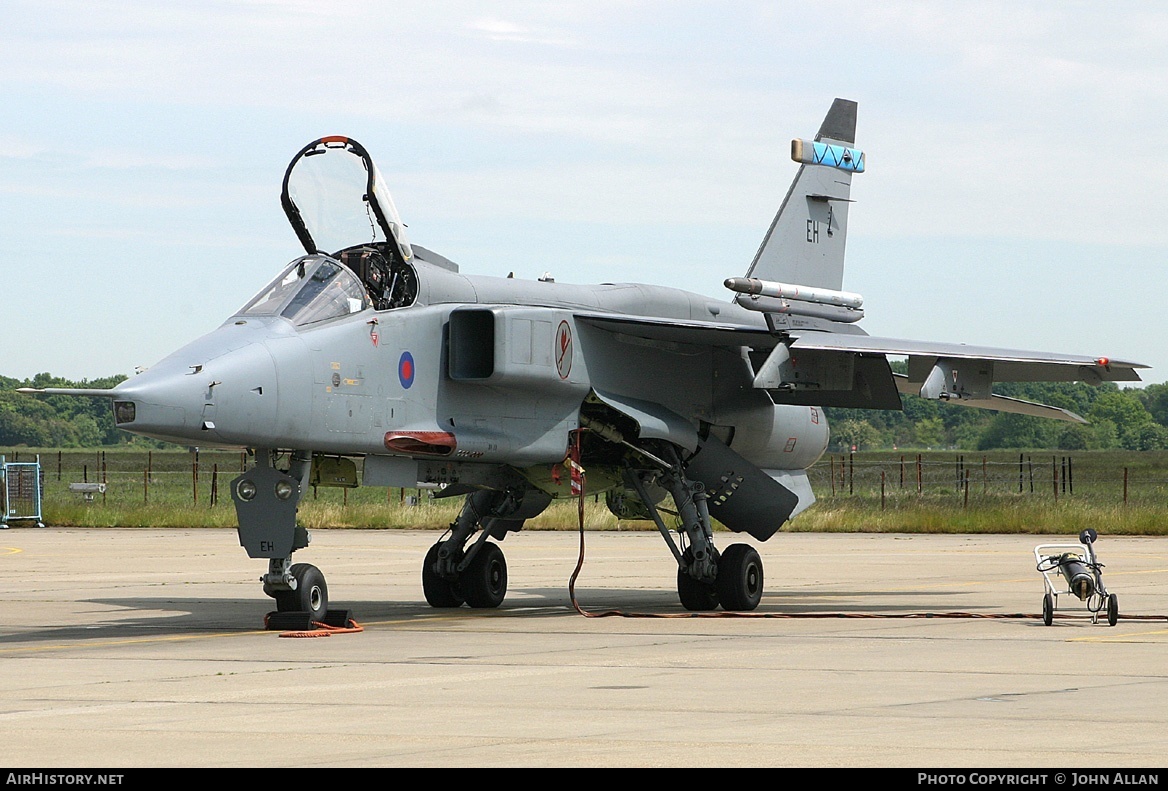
x: 228, y: 397
x: 162, y: 403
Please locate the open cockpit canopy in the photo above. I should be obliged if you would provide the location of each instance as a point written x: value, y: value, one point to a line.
x: 335, y: 198
x: 358, y: 254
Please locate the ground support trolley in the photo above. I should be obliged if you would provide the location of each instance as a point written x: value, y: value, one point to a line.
x: 1074, y: 569
x: 21, y: 485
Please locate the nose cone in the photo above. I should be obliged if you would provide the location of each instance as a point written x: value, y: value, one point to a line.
x: 159, y: 404
x: 219, y: 390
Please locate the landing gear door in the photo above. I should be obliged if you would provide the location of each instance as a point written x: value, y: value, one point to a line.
x: 335, y: 198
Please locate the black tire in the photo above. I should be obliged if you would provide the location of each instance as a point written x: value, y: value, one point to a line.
x: 740, y: 578
x: 310, y: 596
x: 439, y: 592
x: 696, y: 595
x: 484, y: 582
x: 1112, y: 609
x: 1047, y: 610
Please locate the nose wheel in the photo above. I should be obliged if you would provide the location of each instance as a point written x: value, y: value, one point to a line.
x: 310, y: 595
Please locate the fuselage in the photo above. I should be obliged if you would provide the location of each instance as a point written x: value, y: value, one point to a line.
x: 349, y: 380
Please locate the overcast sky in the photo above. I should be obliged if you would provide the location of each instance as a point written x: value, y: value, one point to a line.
x: 1015, y: 196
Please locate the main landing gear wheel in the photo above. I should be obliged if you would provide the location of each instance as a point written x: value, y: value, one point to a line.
x: 484, y: 582
x: 740, y: 578
x: 1047, y: 609
x: 1112, y: 609
x: 310, y: 596
x: 695, y: 595
x: 440, y: 592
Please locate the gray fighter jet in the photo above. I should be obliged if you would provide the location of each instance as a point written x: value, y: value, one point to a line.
x: 512, y: 393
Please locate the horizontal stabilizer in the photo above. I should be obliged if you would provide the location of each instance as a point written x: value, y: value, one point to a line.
x: 1000, y: 403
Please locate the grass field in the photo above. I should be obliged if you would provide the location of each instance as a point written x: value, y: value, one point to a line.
x: 1115, y: 492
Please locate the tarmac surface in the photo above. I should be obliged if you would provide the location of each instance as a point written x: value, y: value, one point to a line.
x: 146, y: 648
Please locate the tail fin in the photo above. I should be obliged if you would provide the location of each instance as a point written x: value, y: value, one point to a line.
x: 805, y: 243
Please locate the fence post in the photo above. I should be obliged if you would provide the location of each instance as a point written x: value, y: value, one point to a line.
x: 902, y: 471
x: 851, y: 472
x: 214, y: 484
x: 882, y: 490
x: 832, y: 460
x: 919, y: 484
x: 1125, y: 485
x: 1054, y: 477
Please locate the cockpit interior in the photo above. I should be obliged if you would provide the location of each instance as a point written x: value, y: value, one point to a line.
x: 318, y: 287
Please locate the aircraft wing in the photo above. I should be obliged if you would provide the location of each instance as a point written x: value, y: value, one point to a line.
x: 1009, y: 365
x: 849, y: 369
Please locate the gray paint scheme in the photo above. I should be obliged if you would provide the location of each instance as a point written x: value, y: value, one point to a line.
x: 482, y: 384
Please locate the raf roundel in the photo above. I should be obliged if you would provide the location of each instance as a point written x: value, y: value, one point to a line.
x: 405, y: 370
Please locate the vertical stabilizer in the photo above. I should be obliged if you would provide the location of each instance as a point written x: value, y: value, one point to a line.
x: 805, y: 243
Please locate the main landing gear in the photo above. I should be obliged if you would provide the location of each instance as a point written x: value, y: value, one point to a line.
x: 705, y: 577
x: 458, y: 571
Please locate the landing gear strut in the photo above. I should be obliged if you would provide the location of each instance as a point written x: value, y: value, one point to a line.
x: 705, y: 577
x: 457, y: 570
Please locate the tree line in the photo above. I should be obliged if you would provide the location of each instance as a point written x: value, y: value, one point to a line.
x: 59, y: 421
x: 1129, y: 418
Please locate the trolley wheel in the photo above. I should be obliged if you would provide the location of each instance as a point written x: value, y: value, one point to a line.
x: 1047, y: 609
x: 1112, y: 609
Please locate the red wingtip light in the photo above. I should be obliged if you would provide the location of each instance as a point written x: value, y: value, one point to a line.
x: 1103, y: 361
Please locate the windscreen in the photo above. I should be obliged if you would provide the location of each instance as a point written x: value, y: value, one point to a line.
x: 311, y: 289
